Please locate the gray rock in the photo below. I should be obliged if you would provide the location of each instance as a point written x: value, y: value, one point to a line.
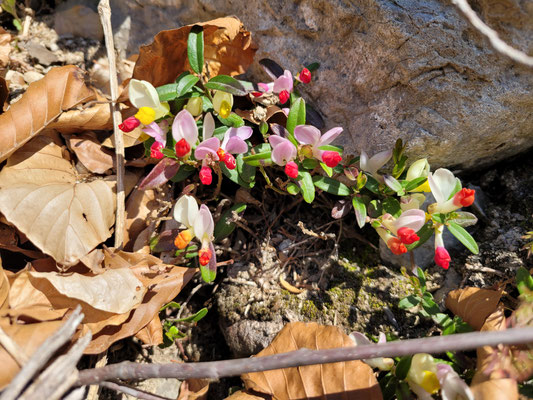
x: 248, y: 337
x: 41, y: 53
x: 389, y: 69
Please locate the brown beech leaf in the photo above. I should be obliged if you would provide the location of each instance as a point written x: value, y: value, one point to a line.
x: 90, y: 152
x: 243, y: 395
x: 151, y: 334
x: 473, y: 305
x: 61, y: 89
x: 29, y: 338
x: 194, y: 389
x: 228, y: 50
x: 97, y: 118
x: 42, y: 195
x: 4, y: 286
x: 163, y: 281
x: 5, y: 48
x: 352, y: 379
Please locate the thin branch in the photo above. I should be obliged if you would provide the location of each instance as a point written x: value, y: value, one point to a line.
x: 13, y: 348
x: 498, y: 44
x: 138, y: 394
x: 218, y: 369
x: 41, y: 356
x: 105, y: 18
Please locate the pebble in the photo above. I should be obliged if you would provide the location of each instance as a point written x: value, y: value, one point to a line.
x: 32, y: 76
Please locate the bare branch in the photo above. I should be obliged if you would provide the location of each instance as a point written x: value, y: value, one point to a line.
x: 138, y: 394
x: 498, y: 44
x: 42, y: 355
x: 105, y: 18
x: 219, y: 369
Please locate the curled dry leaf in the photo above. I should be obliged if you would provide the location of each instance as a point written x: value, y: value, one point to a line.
x: 90, y: 152
x: 287, y: 286
x: 473, y: 305
x: 29, y: 338
x: 243, y: 395
x: 97, y: 118
x: 114, y: 291
x: 194, y: 389
x: 42, y: 195
x: 228, y: 50
x: 61, y: 89
x: 5, y: 48
x: 151, y: 334
x: 354, y: 379
x: 4, y: 287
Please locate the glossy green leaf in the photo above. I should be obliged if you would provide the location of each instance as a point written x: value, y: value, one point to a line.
x: 293, y: 188
x: 306, y: 184
x: 524, y: 281
x: 409, y: 302
x: 414, y: 183
x: 313, y: 66
x: 464, y: 218
x: 331, y: 185
x: 195, y: 48
x: 233, y: 120
x: 226, y: 84
x: 330, y: 147
x: 360, y: 211
x: 402, y: 368
x: 185, y: 83
x: 463, y: 236
x: 392, y: 183
x: 208, y: 275
x: 183, y: 173
x: 424, y: 234
x: 255, y: 159
x: 392, y: 206
x: 233, y: 175
x: 246, y: 172
x: 439, y: 218
x: 421, y: 278
x: 224, y: 227
x: 372, y: 184
x: 197, y: 316
x: 167, y: 92
x: 296, y: 117
x: 309, y: 163
x: 172, y: 304
x: 327, y: 170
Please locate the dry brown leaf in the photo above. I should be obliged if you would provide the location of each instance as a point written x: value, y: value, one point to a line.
x: 142, y: 209
x: 287, y: 286
x: 194, y: 389
x: 473, y: 305
x: 151, y: 334
x: 228, y: 50
x: 42, y: 195
x: 354, y: 379
x: 163, y: 281
x: 61, y: 89
x: 114, y: 291
x: 29, y: 338
x: 95, y: 118
x: 94, y: 260
x: 4, y: 286
x: 243, y: 395
x: 4, y: 94
x: 90, y: 152
x: 5, y: 47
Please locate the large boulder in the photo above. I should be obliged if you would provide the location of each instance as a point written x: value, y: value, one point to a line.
x: 414, y: 70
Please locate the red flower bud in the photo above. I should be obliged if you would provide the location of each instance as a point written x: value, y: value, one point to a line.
x: 396, y: 246
x: 442, y: 257
x: 206, y: 176
x: 129, y: 124
x: 305, y: 76
x: 464, y: 197
x: 182, y: 148
x: 291, y: 169
x: 331, y: 158
x: 284, y: 96
x: 221, y: 154
x: 155, y: 150
x: 257, y: 94
x: 407, y: 235
x: 204, y: 255
x: 230, y: 162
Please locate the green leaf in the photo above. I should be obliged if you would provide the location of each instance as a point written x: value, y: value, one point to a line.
x: 293, y: 188
x: 330, y: 147
x: 195, y: 48
x: 402, y: 368
x: 360, y: 211
x: 167, y: 92
x: 391, y: 182
x: 421, y: 278
x: 327, y: 170
x: 174, y: 333
x: 226, y: 84
x: 414, y: 183
x: 183, y: 173
x: 392, y: 206
x: 440, y: 218
x: 246, y: 171
x: 296, y: 117
x: 463, y: 236
x: 309, y: 163
x: 233, y: 120
x: 409, y: 302
x: 313, y: 66
x: 172, y: 304
x: 372, y: 184
x: 197, y: 316
x: 234, y: 176
x: 255, y: 159
x: 331, y: 185
x: 524, y: 281
x: 464, y: 218
x: 224, y: 226
x: 449, y: 330
x: 208, y: 275
x: 306, y: 184
x: 185, y: 83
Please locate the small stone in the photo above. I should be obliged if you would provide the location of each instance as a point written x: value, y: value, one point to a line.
x: 72, y: 19
x: 41, y: 53
x: 16, y: 79
x: 32, y: 76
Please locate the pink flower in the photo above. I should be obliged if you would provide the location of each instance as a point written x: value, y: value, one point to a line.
x: 442, y: 257
x: 155, y: 150
x: 307, y: 134
x: 304, y: 76
x: 282, y: 85
x: 185, y: 132
x: 157, y: 131
x: 283, y: 153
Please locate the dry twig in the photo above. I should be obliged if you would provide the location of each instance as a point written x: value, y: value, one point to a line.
x: 499, y: 45
x: 105, y: 18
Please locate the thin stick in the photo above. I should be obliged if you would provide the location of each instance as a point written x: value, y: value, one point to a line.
x: 42, y: 355
x: 217, y: 369
x: 105, y: 18
x: 13, y: 348
x: 498, y: 44
x: 138, y: 394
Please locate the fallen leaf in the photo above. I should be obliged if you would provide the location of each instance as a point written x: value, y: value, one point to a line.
x: 95, y: 118
x: 287, y: 286
x: 243, y: 395
x: 42, y: 195
x: 495, y: 389
x: 228, y: 50
x: 151, y: 334
x: 5, y: 48
x: 4, y: 94
x: 163, y: 281
x: 114, y: 291
x: 4, y: 286
x: 94, y: 260
x: 90, y: 152
x: 61, y: 89
x: 352, y: 379
x: 194, y: 389
x: 29, y: 338
x: 473, y: 305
